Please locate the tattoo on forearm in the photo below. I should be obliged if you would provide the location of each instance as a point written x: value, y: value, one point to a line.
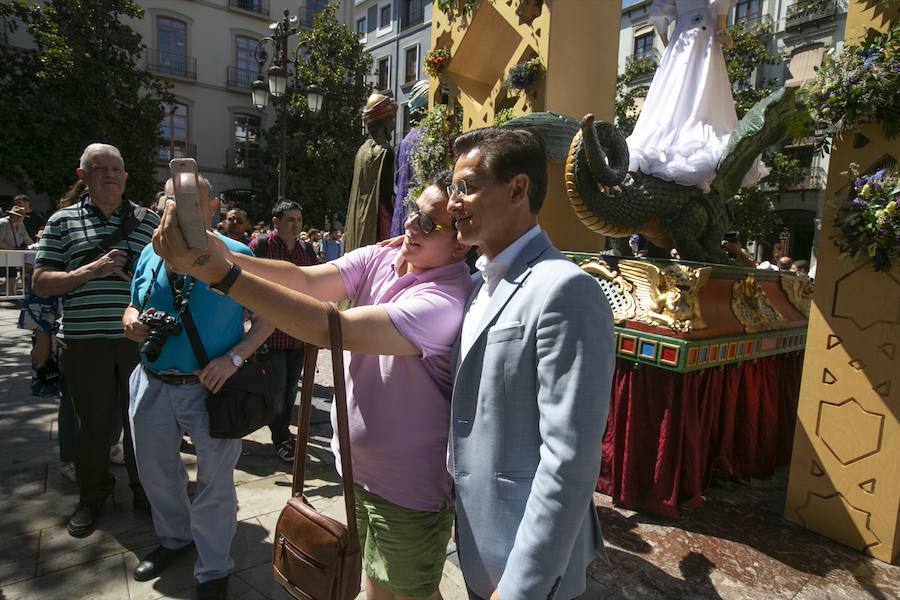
x: 201, y: 260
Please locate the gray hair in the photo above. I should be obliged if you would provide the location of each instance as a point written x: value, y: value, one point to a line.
x: 209, y: 187
x: 95, y: 149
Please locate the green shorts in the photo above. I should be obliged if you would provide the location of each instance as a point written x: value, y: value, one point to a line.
x: 403, y: 549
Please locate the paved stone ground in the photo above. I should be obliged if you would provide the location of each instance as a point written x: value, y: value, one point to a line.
x: 737, y: 546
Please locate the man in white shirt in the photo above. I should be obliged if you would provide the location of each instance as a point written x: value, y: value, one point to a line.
x: 531, y: 392
x: 13, y: 235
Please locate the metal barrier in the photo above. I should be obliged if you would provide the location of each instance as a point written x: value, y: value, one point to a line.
x: 14, y: 264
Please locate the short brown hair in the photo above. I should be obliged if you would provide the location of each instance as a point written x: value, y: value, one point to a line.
x: 508, y: 152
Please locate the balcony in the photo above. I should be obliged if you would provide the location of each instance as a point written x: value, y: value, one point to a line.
x: 175, y: 149
x: 650, y: 56
x: 243, y: 158
x: 171, y: 65
x: 756, y: 22
x: 804, y: 12
x: 642, y: 66
x: 260, y: 7
x: 812, y: 178
x: 240, y: 79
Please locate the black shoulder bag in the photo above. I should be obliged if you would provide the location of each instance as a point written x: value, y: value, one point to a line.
x: 246, y: 402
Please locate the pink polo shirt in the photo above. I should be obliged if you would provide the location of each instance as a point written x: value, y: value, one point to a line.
x: 399, y: 406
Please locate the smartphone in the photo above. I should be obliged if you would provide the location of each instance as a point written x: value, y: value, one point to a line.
x: 187, y: 201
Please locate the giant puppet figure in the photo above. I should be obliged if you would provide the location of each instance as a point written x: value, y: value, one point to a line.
x: 372, y: 195
x: 688, y: 115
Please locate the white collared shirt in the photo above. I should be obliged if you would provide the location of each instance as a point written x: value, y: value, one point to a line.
x: 492, y: 271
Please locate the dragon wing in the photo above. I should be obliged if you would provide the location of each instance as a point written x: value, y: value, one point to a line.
x: 645, y: 277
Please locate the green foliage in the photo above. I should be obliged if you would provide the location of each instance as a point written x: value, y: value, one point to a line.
x: 523, y: 75
x: 321, y: 146
x: 456, y: 8
x: 627, y: 94
x: 748, y: 53
x: 503, y: 115
x: 858, y: 86
x: 752, y: 209
x: 81, y: 83
x: 434, y: 152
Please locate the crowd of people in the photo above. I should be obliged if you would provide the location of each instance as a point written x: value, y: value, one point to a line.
x: 474, y: 401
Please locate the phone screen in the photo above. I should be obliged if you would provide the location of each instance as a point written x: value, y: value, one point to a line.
x: 185, y: 183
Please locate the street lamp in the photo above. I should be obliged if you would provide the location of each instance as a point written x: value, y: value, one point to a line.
x: 277, y: 83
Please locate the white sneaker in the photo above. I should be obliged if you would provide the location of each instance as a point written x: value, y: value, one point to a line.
x: 117, y: 454
x: 67, y: 469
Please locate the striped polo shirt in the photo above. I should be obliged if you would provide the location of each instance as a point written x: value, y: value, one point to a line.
x: 71, y: 238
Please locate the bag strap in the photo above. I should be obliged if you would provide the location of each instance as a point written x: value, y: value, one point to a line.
x: 129, y: 223
x: 340, y: 400
x: 190, y: 328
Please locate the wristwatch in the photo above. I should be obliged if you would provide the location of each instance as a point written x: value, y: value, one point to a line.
x: 236, y: 359
x: 223, y: 287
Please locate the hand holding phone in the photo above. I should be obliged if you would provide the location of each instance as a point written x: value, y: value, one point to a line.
x: 186, y: 184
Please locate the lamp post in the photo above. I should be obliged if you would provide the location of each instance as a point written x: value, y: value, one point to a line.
x: 278, y: 84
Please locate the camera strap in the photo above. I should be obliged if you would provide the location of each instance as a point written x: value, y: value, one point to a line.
x: 129, y: 223
x: 184, y: 312
x: 180, y: 302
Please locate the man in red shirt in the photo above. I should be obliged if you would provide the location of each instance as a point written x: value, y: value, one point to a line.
x: 286, y: 353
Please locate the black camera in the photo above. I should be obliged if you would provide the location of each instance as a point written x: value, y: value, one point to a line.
x: 161, y: 327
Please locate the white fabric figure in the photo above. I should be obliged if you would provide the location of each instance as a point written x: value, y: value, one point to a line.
x: 688, y: 114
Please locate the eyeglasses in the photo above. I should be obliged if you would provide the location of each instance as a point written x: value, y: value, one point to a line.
x: 426, y: 224
x: 457, y: 188
x: 237, y: 220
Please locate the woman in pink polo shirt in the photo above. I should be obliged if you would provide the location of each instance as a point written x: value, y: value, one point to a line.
x: 408, y: 306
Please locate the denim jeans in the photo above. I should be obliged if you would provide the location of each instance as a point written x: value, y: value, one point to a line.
x: 159, y: 415
x: 286, y: 367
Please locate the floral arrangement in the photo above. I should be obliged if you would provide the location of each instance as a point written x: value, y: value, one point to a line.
x: 433, y: 153
x: 523, y: 75
x: 435, y: 61
x: 869, y: 221
x: 858, y: 86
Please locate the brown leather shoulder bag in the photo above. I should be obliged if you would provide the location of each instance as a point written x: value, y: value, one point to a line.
x: 317, y: 557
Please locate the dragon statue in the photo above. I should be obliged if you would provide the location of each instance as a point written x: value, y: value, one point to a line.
x: 613, y: 202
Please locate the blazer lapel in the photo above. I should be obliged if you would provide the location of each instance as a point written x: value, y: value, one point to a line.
x: 512, y: 281
x: 454, y: 352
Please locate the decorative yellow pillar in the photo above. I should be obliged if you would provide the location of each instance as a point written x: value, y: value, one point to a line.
x: 576, y: 42
x: 844, y: 481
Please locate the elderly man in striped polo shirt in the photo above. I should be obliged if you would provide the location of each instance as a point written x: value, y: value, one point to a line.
x: 85, y: 255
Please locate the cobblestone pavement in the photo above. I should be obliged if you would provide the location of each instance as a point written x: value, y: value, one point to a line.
x: 737, y: 546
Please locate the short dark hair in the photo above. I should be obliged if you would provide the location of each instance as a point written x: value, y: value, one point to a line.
x: 800, y: 264
x: 441, y: 180
x: 508, y: 152
x: 282, y: 207
x: 21, y: 198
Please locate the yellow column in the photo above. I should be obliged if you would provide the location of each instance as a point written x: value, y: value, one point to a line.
x: 844, y: 481
x: 576, y: 41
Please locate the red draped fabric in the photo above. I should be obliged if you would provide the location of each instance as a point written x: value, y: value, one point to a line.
x: 669, y: 433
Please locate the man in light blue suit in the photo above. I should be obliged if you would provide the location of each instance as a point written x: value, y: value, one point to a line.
x: 531, y: 393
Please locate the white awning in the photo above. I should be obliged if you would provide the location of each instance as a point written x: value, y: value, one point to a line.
x: 803, y: 65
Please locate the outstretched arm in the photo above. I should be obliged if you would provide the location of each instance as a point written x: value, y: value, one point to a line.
x: 366, y: 329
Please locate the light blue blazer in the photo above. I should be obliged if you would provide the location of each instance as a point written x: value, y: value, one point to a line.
x: 529, y: 408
